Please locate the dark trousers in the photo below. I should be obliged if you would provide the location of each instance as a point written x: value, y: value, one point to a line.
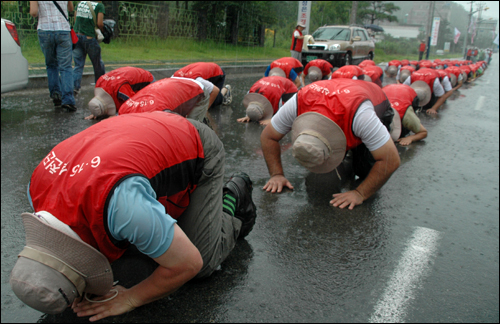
x: 420, y: 55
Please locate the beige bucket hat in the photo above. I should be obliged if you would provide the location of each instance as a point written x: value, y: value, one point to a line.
x: 277, y: 72
x: 56, y: 266
x: 423, y: 92
x: 314, y: 73
x: 257, y: 107
x: 102, y: 103
x: 319, y: 144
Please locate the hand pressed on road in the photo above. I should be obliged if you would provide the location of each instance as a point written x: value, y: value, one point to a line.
x: 277, y: 183
x: 351, y: 198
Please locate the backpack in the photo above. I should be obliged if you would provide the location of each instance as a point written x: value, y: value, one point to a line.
x: 108, y: 30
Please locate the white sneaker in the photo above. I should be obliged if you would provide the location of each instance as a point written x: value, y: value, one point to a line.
x: 228, y: 97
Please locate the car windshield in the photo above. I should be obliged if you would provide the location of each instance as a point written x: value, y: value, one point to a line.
x: 332, y: 34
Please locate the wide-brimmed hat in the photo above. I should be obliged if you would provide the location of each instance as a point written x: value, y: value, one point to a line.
x: 299, y: 24
x: 367, y: 78
x: 403, y: 75
x: 314, y: 73
x: 102, y: 103
x: 464, y: 76
x: 395, y: 127
x: 319, y: 144
x: 257, y: 107
x: 56, y: 266
x: 453, y: 79
x: 392, y: 71
x: 423, y: 92
x: 277, y: 72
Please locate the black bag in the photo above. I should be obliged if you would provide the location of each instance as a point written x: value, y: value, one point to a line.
x: 108, y: 30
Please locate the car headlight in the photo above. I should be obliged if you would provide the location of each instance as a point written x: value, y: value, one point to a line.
x: 334, y: 47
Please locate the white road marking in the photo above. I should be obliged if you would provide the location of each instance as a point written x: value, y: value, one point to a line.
x: 479, y: 103
x: 412, y: 267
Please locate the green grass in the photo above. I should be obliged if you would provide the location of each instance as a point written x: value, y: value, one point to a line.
x: 155, y: 50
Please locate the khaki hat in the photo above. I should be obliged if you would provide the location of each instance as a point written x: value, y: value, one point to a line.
x: 453, y: 79
x: 314, y: 74
x: 403, y: 75
x: 299, y: 24
x: 56, y: 266
x: 423, y: 92
x: 319, y: 144
x: 102, y: 103
x: 395, y: 127
x: 277, y: 72
x: 367, y: 78
x: 464, y: 76
x: 257, y: 107
x: 392, y: 71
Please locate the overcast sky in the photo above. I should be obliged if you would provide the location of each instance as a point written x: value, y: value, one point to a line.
x: 493, y: 12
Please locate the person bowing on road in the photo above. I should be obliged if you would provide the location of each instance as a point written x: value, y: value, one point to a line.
x: 287, y: 67
x: 317, y: 70
x: 328, y: 118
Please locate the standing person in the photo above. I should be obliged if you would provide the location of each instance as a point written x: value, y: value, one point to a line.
x: 265, y: 98
x: 421, y: 50
x: 469, y: 54
x: 85, y: 26
x: 55, y: 41
x: 114, y: 88
x: 297, y: 42
x: 154, y: 180
x: 211, y: 72
x: 187, y: 97
x: 327, y: 118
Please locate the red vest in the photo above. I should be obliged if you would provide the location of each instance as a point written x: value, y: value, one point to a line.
x: 297, y: 43
x: 339, y: 100
x: 442, y: 74
x: 374, y: 72
x: 425, y: 64
x: 469, y: 52
x: 405, y: 62
x: 179, y: 95
x: 126, y: 80
x: 204, y: 70
x: 395, y: 63
x: 414, y: 63
x: 75, y: 181
x: 455, y: 70
x: 426, y: 75
x: 347, y: 72
x: 407, y: 67
x: 287, y: 64
x: 422, y: 47
x: 366, y: 63
x: 400, y: 96
x: 273, y: 88
x: 323, y: 65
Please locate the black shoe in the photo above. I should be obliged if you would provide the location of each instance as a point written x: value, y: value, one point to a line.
x: 70, y: 108
x: 56, y: 99
x: 240, y: 186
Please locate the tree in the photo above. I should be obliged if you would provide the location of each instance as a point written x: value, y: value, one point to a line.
x: 377, y: 10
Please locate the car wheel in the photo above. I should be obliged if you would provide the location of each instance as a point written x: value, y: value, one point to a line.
x: 348, y: 59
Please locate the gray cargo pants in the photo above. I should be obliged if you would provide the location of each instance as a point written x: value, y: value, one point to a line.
x: 211, y: 230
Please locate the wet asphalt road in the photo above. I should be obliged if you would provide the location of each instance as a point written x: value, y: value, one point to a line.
x: 425, y: 248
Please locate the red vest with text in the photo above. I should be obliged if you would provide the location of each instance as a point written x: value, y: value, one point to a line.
x: 273, y: 88
x: 205, y: 70
x: 287, y: 64
x: 297, y: 43
x: 127, y: 80
x: 347, y: 72
x: 426, y: 75
x: 179, y: 95
x: 339, y: 100
x: 162, y: 147
x: 323, y: 65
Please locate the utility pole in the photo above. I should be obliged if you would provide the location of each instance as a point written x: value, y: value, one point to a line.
x: 353, y: 12
x: 467, y: 30
x: 431, y: 19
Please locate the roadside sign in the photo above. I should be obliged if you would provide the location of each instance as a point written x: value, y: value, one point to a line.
x: 435, y: 31
x: 304, y: 16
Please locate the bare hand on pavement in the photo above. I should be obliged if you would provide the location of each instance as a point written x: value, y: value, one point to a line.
x: 277, y: 183
x: 351, y: 198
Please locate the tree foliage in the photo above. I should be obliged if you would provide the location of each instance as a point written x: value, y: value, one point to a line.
x: 372, y: 11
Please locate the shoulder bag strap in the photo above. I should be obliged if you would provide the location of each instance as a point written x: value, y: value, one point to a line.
x: 93, y: 13
x: 62, y: 12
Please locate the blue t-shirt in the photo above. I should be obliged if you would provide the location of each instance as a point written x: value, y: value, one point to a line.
x: 292, y: 76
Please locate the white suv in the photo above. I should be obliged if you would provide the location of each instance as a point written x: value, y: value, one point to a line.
x: 14, y: 65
